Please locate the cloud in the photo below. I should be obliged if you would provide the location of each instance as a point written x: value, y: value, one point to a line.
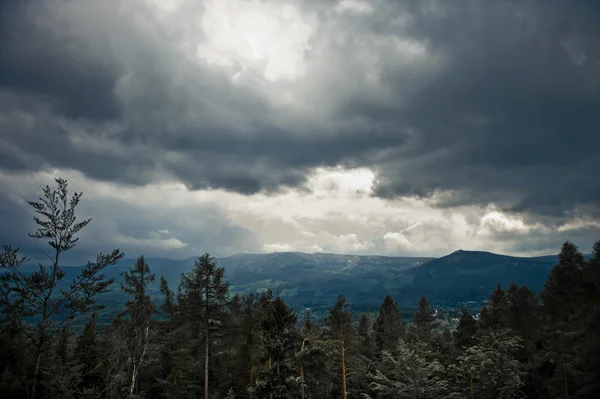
x: 308, y: 125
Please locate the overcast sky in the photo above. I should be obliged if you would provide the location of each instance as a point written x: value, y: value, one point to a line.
x: 357, y: 126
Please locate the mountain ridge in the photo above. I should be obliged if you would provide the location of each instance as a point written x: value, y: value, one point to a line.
x: 314, y: 280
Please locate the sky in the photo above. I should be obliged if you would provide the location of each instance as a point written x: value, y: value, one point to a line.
x: 410, y: 128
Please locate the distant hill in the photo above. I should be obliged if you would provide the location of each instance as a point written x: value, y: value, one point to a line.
x: 314, y: 280
x: 470, y: 275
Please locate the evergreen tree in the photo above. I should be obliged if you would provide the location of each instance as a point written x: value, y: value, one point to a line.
x: 63, y: 374
x: 365, y: 326
x: 281, y: 342
x: 466, y: 331
x: 340, y: 329
x: 202, y: 300
x: 563, y: 296
x: 492, y: 318
x: 39, y: 303
x: 588, y: 317
x: 308, y: 323
x: 140, y: 310
x: 388, y: 325
x: 87, y: 354
x: 314, y: 359
x: 425, y: 319
x: 489, y: 369
x: 408, y: 373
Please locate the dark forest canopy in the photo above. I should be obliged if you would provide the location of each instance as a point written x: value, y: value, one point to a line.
x: 200, y: 341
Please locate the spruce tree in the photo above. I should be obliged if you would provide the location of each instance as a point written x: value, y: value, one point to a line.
x: 408, y: 373
x: 202, y: 300
x: 388, y: 326
x: 489, y: 370
x: 588, y: 318
x: 466, y: 331
x: 492, y: 318
x: 425, y: 319
x: 281, y: 340
x: 364, y: 330
x: 87, y: 353
x: 563, y: 296
x: 340, y: 329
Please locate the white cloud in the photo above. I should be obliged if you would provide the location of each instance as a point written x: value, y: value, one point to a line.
x: 268, y: 248
x: 331, y: 218
x: 242, y: 35
x: 358, y: 6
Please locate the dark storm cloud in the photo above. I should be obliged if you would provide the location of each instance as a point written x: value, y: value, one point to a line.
x: 509, y: 116
x: 34, y: 61
x: 514, y: 119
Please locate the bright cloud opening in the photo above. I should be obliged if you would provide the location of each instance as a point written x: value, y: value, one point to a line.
x: 245, y: 35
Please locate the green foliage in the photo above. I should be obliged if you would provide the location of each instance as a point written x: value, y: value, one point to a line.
x: 408, y: 374
x: 281, y: 340
x: 36, y: 302
x: 388, y: 325
x: 466, y: 331
x: 425, y: 319
x: 489, y: 369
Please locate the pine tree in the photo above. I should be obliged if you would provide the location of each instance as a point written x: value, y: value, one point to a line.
x: 202, y: 301
x: 466, y: 331
x: 140, y: 311
x: 588, y: 317
x: 39, y: 303
x: 87, y: 353
x: 365, y: 326
x: 424, y: 323
x: 408, y: 374
x: 388, y: 326
x: 308, y: 323
x: 489, y: 369
x: 340, y: 329
x: 580, y: 350
x: 314, y: 359
x: 281, y: 342
x: 563, y: 296
x: 425, y: 318
x: 492, y: 318
x: 63, y: 373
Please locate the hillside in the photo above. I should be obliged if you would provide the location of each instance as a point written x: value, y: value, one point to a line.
x: 314, y: 280
x: 469, y: 275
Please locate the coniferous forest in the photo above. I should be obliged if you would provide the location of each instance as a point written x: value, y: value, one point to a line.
x: 199, y: 341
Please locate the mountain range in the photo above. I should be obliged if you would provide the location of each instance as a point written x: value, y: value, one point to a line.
x: 314, y: 280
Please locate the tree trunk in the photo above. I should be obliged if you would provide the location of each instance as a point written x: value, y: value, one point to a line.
x: 36, y: 372
x: 270, y: 393
x: 302, y: 368
x: 133, y: 378
x: 137, y: 364
x: 564, y: 369
x: 343, y: 363
x: 206, y: 368
x: 471, y: 383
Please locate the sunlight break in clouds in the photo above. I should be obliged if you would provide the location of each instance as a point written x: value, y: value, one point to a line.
x: 242, y: 35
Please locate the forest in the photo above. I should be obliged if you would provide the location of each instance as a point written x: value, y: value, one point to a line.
x: 201, y: 341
